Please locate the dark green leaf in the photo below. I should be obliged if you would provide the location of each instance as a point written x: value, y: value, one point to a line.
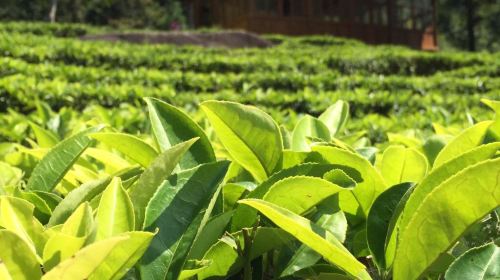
x: 377, y: 225
x: 54, y: 165
x: 478, y: 263
x: 171, y: 126
x: 157, y: 172
x: 177, y: 210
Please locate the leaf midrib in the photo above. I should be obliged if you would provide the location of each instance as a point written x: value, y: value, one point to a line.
x: 244, y: 142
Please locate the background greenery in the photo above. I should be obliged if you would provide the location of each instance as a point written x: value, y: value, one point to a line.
x: 462, y: 24
x: 156, y: 14
x: 469, y: 24
x: 389, y: 88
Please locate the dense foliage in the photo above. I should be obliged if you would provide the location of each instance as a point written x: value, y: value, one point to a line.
x: 246, y: 199
x: 469, y: 24
x: 116, y: 162
x: 388, y: 88
x: 119, y: 13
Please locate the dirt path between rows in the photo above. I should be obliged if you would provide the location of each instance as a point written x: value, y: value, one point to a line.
x: 227, y: 39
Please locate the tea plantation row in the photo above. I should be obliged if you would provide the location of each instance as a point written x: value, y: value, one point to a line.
x: 358, y: 162
x: 298, y: 75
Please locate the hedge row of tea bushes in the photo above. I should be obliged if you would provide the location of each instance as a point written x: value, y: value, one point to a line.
x: 290, y: 55
x: 241, y: 82
x: 44, y: 28
x: 243, y: 197
x: 299, y: 75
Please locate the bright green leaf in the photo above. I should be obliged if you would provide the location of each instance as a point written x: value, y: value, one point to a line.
x: 214, y: 229
x: 89, y: 191
x: 400, y: 165
x: 462, y: 143
x: 105, y: 259
x: 299, y: 193
x: 245, y: 216
x: 286, y: 137
x: 293, y: 158
x: 122, y: 258
x: 339, y: 177
x: 115, y: 213
x: 9, y: 175
x: 42, y: 210
x: 4, y: 273
x: 76, y: 197
x: 308, y: 127
x: 442, y: 173
x: 51, y: 199
x: 366, y: 191
x: 44, y: 138
x: 251, y: 137
x: 192, y: 268
x: 311, y: 235
x: 495, y: 127
x: 59, y: 247
x: 444, y: 215
x: 17, y: 260
x: 112, y: 161
x: 131, y: 146
x: 16, y: 215
x: 80, y: 223
x: 322, y: 272
x: 329, y: 217
x: 335, y: 117
x: 232, y: 192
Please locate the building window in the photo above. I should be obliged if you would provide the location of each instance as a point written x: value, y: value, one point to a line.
x: 329, y: 10
x: 379, y: 13
x: 413, y: 14
x: 266, y: 6
x: 205, y: 16
x: 293, y: 8
x: 404, y: 17
x: 362, y: 12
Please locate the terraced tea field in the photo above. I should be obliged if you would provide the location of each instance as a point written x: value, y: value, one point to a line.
x: 316, y: 158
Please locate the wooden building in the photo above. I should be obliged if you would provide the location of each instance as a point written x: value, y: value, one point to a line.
x: 405, y: 22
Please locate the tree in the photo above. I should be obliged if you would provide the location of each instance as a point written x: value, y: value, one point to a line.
x: 470, y: 24
x: 472, y: 21
x: 156, y: 14
x: 53, y: 11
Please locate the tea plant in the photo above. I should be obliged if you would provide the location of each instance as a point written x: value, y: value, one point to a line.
x: 389, y: 88
x: 244, y: 198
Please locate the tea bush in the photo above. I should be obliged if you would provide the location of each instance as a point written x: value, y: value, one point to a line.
x: 246, y: 198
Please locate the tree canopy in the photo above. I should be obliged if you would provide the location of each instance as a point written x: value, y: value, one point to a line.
x: 469, y: 24
x: 155, y: 14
